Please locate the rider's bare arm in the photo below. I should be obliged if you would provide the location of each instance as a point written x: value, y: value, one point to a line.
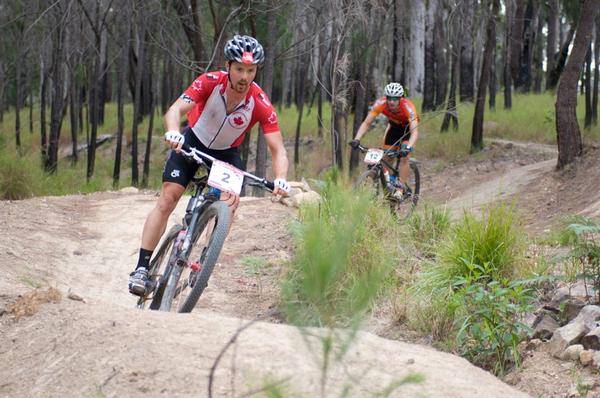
x: 173, y: 116
x: 414, y: 132
x: 365, y: 125
x: 278, y: 154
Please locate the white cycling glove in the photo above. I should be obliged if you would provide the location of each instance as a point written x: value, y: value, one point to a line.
x: 281, y: 184
x: 174, y: 136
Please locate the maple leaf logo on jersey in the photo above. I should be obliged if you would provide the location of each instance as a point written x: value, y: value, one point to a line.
x: 272, y: 118
x: 197, y: 85
x: 238, y: 120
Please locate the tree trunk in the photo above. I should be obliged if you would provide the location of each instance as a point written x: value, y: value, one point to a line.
x: 18, y: 105
x: 477, y: 134
x: 137, y: 106
x: 451, y: 114
x: 147, y: 155
x: 442, y: 47
x: 267, y: 85
x: 74, y: 103
x: 122, y: 68
x: 524, y: 78
x: 429, y: 71
x: 415, y: 67
x: 507, y: 55
x: 43, y: 90
x: 466, y: 86
x: 561, y: 60
x: 189, y: 18
x: 538, y: 57
x: 551, y: 39
x: 596, y: 73
x: 567, y: 129
x: 58, y: 104
x: 587, y: 86
x: 492, y: 101
x: 516, y: 40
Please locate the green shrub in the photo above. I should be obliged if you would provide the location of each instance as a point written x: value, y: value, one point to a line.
x: 587, y: 251
x: 15, y: 180
x: 489, y: 317
x: 486, y: 250
x: 342, y: 258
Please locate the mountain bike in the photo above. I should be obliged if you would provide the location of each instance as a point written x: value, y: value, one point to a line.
x: 402, y: 196
x: 182, y: 264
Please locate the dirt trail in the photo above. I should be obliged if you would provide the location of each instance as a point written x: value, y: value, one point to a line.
x: 102, y: 346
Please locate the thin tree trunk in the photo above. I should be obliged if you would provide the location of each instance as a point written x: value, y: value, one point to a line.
x: 18, y: 106
x: 122, y: 68
x: 596, y: 73
x: 587, y: 85
x: 477, y: 134
x: 441, y: 59
x: 137, y: 109
x: 429, y: 72
x: 73, y: 88
x: 43, y: 90
x: 267, y: 86
x: 561, y: 60
x: 551, y: 39
x: 567, y: 129
x: 492, y: 101
x: 451, y: 115
x: 147, y: 155
x: 538, y: 55
x: 507, y: 55
x: 466, y: 86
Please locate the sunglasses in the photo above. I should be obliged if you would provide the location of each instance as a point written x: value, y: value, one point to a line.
x: 393, y: 98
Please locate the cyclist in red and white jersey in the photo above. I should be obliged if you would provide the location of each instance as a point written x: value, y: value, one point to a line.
x: 221, y: 109
x: 402, y: 131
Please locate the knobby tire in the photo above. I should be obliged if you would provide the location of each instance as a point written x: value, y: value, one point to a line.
x: 219, y: 212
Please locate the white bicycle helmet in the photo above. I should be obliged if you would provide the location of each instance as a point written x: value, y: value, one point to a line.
x: 394, y: 90
x: 244, y: 49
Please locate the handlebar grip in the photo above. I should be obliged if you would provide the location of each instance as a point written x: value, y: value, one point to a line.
x: 270, y: 185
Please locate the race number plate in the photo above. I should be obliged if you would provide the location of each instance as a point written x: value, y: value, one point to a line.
x: 373, y: 156
x: 225, y: 177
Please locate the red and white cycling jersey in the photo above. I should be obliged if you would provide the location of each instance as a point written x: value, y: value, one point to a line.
x: 209, y: 119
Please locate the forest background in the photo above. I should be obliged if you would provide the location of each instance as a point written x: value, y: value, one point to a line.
x: 84, y: 84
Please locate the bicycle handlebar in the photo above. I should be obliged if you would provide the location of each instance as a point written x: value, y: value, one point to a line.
x: 388, y: 152
x: 199, y: 157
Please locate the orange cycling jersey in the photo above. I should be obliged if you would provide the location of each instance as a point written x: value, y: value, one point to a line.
x: 400, y: 117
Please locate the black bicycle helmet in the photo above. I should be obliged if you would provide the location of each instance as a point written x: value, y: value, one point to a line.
x: 244, y: 49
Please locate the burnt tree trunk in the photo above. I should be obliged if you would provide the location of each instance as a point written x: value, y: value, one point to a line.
x: 507, y: 56
x: 552, y: 21
x: 596, y: 73
x: 587, y: 87
x: 568, y: 134
x: 477, y: 134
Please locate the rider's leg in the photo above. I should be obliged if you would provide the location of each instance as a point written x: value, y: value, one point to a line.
x: 233, y: 202
x: 154, y: 227
x: 404, y: 169
x: 156, y: 222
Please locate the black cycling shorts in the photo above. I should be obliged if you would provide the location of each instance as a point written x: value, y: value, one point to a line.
x: 181, y: 170
x: 396, y: 135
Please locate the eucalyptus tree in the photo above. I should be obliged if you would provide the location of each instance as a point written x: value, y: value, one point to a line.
x: 568, y: 134
x: 477, y: 132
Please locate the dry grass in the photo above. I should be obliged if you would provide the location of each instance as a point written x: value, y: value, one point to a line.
x: 29, y: 304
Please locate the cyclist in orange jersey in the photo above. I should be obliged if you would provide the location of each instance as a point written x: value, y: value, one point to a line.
x: 402, y: 132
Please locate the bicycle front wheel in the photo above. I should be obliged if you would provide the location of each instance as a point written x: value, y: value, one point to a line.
x: 188, y: 280
x: 370, y: 181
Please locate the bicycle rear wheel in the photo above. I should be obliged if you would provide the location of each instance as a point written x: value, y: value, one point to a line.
x: 188, y: 281
x: 160, y: 268
x: 404, y: 206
